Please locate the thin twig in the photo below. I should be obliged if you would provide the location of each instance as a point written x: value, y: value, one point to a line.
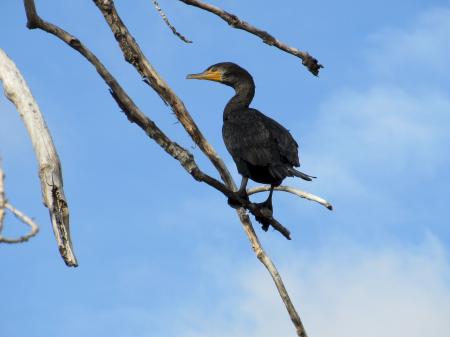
x: 307, y: 60
x: 22, y: 217
x: 34, y: 228
x: 50, y: 174
x: 166, y: 20
x: 134, y: 56
x: 301, y: 194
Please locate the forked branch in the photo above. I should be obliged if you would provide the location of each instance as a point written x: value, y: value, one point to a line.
x: 307, y: 60
x: 134, y: 55
x: 134, y: 114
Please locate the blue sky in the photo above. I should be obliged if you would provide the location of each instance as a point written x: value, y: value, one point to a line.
x: 162, y: 255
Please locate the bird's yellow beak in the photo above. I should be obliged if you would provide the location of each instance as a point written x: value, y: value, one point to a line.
x: 206, y: 75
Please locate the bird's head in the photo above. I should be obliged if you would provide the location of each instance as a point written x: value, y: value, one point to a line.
x: 226, y: 72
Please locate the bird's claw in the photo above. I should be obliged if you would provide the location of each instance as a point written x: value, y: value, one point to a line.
x: 267, y: 212
x: 234, y: 200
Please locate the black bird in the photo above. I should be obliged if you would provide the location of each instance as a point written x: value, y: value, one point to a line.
x: 262, y: 149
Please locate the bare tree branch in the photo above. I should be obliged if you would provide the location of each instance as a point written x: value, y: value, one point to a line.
x: 34, y: 228
x: 166, y: 20
x: 276, y: 277
x: 134, y: 56
x: 307, y: 60
x: 135, y: 115
x: 175, y: 150
x: 292, y: 190
x: 17, y: 91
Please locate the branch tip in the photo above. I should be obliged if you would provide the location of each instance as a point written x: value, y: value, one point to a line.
x: 312, y: 64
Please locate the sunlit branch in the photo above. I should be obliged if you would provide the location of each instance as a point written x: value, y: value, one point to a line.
x: 292, y: 190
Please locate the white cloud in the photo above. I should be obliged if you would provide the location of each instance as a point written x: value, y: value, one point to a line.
x: 347, y: 291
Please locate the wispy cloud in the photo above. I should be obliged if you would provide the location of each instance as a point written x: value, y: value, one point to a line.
x: 386, y: 129
x: 423, y: 48
x: 395, y: 126
x: 344, y: 291
x: 390, y: 131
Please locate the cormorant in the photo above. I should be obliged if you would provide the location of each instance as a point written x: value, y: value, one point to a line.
x: 262, y: 149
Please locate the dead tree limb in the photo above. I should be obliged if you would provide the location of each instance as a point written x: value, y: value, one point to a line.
x: 18, y: 92
x: 307, y: 60
x: 134, y: 56
x: 134, y: 114
x: 166, y: 20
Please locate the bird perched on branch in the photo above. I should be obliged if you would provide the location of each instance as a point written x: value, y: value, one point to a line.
x: 262, y: 149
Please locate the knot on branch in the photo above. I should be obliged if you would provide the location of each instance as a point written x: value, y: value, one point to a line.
x: 75, y: 43
x: 128, y: 52
x: 267, y: 38
x: 104, y: 4
x: 33, y: 22
x: 233, y: 20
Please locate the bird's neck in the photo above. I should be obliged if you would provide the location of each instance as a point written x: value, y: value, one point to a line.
x: 243, y: 97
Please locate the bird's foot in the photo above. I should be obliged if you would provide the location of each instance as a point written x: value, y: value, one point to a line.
x: 266, y: 210
x: 234, y: 200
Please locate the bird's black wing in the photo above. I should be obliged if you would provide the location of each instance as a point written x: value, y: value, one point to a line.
x: 257, y: 139
x: 286, y: 144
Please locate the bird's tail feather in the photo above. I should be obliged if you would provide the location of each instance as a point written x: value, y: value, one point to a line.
x: 302, y: 175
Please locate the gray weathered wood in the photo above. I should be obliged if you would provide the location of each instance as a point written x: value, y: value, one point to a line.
x: 18, y: 92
